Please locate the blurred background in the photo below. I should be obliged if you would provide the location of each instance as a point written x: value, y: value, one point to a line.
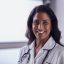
x: 13, y: 24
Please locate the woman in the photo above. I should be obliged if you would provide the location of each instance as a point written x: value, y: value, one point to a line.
x: 44, y: 45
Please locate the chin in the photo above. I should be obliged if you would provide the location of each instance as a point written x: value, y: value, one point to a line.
x: 42, y: 37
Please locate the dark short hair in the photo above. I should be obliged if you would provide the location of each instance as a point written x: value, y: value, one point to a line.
x: 55, y: 33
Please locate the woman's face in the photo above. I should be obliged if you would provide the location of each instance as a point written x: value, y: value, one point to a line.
x: 41, y: 25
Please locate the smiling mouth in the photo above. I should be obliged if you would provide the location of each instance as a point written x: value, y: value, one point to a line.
x: 40, y: 31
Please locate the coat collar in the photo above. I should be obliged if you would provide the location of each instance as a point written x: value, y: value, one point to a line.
x: 50, y: 44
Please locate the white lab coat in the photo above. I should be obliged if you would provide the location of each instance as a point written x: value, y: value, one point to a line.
x: 51, y: 53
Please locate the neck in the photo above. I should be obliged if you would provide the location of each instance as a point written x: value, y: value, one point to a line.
x: 40, y: 43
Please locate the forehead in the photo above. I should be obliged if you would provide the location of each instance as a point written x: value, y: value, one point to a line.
x: 41, y: 15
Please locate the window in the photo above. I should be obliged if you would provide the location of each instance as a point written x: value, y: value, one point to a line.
x: 13, y: 19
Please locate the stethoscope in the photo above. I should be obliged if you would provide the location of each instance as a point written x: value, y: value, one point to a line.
x: 25, y: 54
x: 48, y: 51
x: 28, y: 53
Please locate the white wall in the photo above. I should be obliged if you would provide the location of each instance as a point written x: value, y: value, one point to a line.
x: 13, y: 19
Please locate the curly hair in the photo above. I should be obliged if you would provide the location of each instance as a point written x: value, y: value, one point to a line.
x: 55, y: 33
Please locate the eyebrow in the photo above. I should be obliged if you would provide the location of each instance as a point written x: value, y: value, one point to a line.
x: 43, y: 20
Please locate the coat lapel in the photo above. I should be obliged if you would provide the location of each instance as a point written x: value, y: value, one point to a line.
x: 31, y: 53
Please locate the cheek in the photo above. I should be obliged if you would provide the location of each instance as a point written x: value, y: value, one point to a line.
x: 49, y: 28
x: 34, y: 28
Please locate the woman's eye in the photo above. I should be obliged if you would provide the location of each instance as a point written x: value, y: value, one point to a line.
x: 36, y: 22
x: 45, y: 22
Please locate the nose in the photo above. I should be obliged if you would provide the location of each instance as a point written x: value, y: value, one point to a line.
x: 40, y: 26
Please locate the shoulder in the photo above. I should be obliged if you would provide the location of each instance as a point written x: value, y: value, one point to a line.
x: 59, y: 49
x: 22, y: 54
x: 24, y: 49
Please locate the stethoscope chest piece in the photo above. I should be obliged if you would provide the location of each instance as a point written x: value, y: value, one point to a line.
x: 26, y: 56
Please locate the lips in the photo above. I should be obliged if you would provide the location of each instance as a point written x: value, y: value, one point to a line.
x: 40, y: 31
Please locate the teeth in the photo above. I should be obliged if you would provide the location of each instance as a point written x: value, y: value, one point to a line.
x: 40, y: 31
